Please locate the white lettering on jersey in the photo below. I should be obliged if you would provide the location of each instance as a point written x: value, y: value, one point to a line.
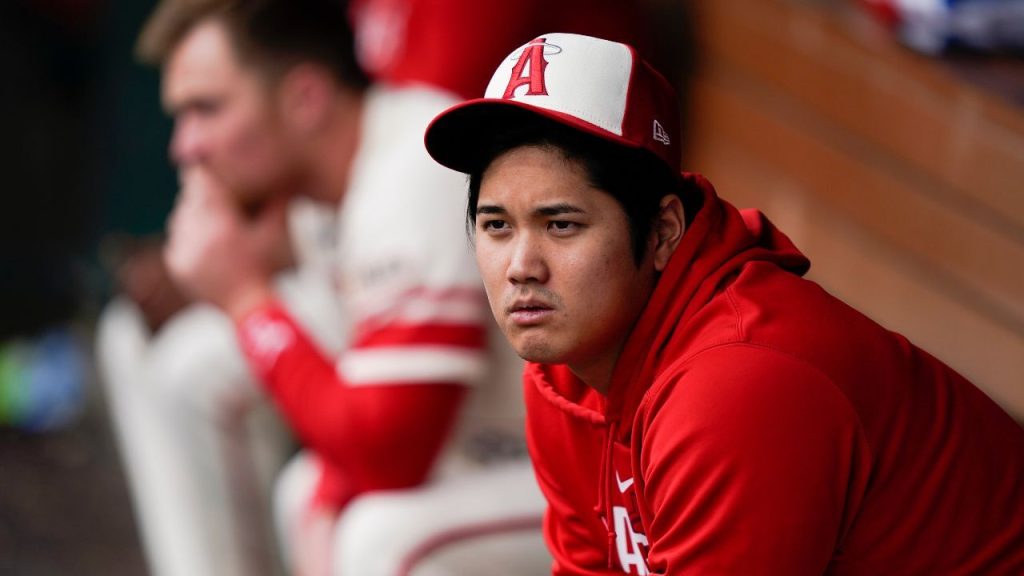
x: 628, y: 543
x: 268, y: 338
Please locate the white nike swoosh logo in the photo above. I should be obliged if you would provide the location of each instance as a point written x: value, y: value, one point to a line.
x: 623, y: 486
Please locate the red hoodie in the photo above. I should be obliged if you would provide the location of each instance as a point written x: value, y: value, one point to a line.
x: 755, y: 424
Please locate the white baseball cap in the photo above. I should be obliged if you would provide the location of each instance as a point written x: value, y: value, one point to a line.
x: 596, y: 86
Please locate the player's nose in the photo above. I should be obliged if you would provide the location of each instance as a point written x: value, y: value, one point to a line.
x: 526, y: 262
x: 186, y: 144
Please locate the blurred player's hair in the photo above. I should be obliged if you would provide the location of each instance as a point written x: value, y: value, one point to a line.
x: 272, y: 35
x: 636, y: 179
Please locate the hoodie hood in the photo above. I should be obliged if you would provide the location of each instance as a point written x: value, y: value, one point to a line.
x: 718, y: 242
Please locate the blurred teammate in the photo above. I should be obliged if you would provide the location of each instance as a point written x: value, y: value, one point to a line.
x: 453, y: 44
x: 693, y: 405
x: 270, y: 107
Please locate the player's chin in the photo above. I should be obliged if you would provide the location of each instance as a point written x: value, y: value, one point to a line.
x: 535, y: 346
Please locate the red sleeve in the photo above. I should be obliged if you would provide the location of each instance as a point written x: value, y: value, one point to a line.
x: 753, y: 463
x: 370, y: 435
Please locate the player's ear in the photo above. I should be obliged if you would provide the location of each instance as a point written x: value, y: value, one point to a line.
x: 668, y: 230
x: 306, y: 93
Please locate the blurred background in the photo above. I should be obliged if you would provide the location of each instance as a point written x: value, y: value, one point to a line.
x: 885, y: 137
x: 83, y: 158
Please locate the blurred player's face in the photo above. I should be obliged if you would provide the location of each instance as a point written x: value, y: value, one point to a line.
x: 224, y: 116
x: 557, y: 261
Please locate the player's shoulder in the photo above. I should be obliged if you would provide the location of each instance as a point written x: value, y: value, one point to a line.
x: 403, y: 112
x: 392, y: 162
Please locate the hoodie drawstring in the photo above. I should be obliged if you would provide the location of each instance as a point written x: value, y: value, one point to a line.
x: 604, y: 492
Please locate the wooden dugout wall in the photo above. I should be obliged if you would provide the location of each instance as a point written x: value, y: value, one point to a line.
x: 903, y: 183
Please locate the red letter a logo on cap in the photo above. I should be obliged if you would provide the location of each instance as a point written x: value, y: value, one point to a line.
x: 533, y: 54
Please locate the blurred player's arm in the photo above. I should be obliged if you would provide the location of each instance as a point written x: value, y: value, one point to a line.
x: 382, y: 413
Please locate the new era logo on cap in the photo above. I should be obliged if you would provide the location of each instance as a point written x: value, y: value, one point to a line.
x: 593, y: 85
x: 660, y: 134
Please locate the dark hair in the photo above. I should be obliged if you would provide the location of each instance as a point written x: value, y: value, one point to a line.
x: 635, y: 178
x: 270, y: 34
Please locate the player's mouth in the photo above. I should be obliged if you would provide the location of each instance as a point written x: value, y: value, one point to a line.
x: 529, y: 312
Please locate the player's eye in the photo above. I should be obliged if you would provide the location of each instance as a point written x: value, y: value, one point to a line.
x: 205, y: 107
x: 494, y: 226
x: 563, y: 227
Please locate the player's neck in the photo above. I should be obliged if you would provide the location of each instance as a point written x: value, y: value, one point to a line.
x: 333, y: 159
x: 597, y: 372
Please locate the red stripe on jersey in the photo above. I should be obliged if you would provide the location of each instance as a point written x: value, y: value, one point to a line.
x: 456, y: 335
x: 383, y: 319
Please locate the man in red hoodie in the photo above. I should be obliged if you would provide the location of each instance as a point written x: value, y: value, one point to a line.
x: 694, y: 405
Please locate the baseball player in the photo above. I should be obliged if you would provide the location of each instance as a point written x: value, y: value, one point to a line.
x: 694, y: 406
x: 408, y: 428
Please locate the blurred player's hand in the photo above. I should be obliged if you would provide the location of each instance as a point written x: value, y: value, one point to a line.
x: 218, y: 253
x: 141, y: 275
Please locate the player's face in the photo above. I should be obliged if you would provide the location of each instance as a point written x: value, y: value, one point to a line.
x: 224, y: 116
x: 557, y: 261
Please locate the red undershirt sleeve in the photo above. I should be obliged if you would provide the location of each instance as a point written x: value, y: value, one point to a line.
x: 379, y: 426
